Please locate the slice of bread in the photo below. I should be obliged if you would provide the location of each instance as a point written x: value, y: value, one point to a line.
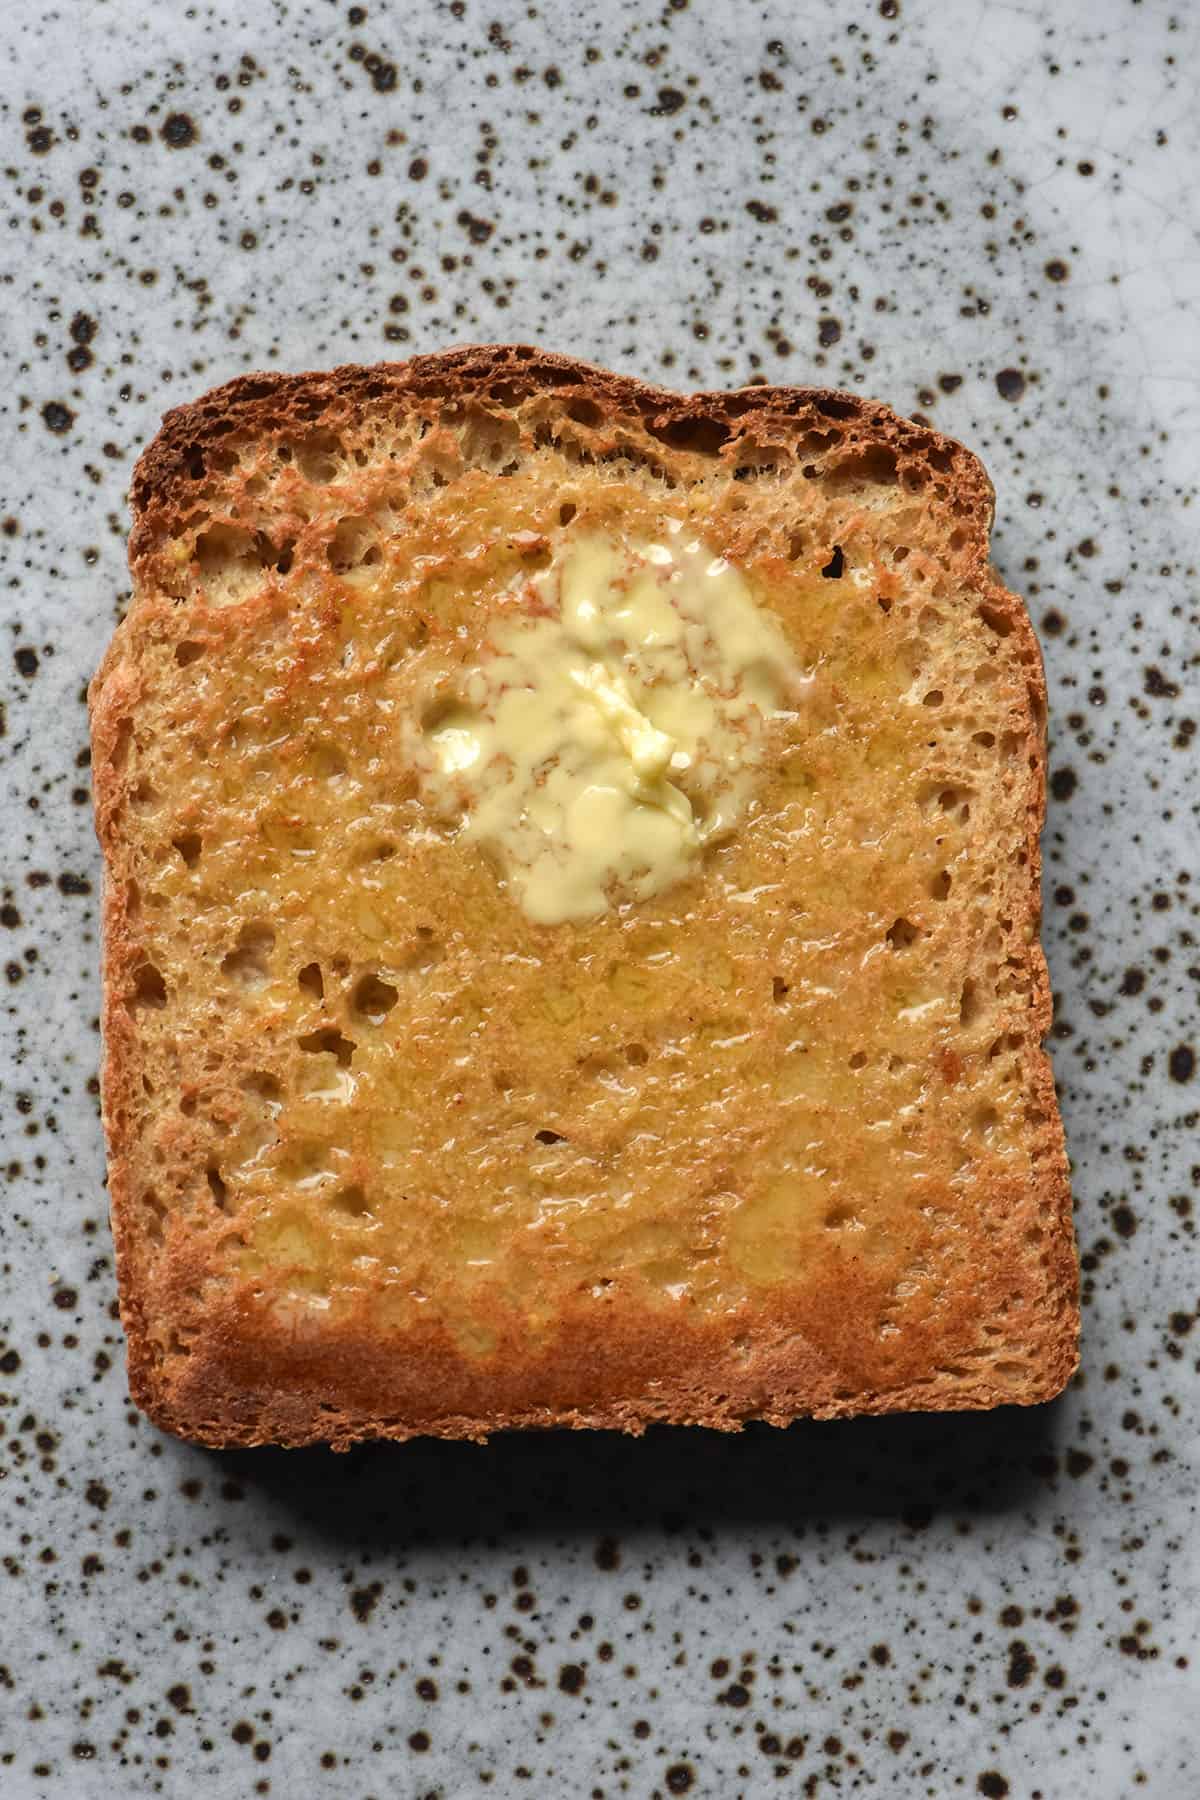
x: 388, y: 1155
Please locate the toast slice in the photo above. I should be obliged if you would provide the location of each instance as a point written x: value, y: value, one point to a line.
x: 770, y: 1134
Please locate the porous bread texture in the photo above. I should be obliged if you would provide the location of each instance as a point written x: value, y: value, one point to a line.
x: 387, y: 1158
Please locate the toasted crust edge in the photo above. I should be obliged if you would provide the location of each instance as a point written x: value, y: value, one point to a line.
x: 160, y: 490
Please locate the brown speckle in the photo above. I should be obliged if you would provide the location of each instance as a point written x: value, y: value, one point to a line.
x: 364, y: 1600
x: 57, y: 417
x: 178, y: 131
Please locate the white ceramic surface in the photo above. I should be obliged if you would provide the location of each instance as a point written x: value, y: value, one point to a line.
x: 981, y: 211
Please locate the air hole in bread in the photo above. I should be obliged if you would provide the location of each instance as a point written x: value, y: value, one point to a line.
x: 231, y: 564
x: 753, y: 459
x: 310, y: 980
x: 263, y: 1085
x: 832, y: 406
x: 585, y: 412
x: 354, y: 544
x: 779, y: 989
x: 900, y: 554
x: 187, y: 1105
x: 797, y: 543
x: 326, y: 761
x: 567, y: 512
x: 189, y: 846
x: 319, y: 457
x: 425, y: 952
x: 351, y: 1201
x: 836, y: 565
x: 841, y: 1218
x: 149, y: 988
x: 934, y: 697
x: 506, y: 394
x: 248, y: 962
x: 637, y: 1055
x: 546, y: 1136
x: 486, y: 439
x: 534, y: 552
x: 904, y: 934
x: 188, y: 652
x: 329, y: 1042
x: 218, y: 1187
x: 703, y: 437
x: 995, y: 620
x: 875, y: 467
x: 272, y: 556
x: 985, y: 739
x: 155, y: 1212
x: 858, y: 1060
x: 883, y: 603
x: 118, y: 756
x: 939, y: 887
x: 984, y: 1119
x: 374, y: 998
x: 971, y: 1007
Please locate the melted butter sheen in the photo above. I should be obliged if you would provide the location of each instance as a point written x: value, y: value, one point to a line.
x: 414, y: 1104
x: 615, y: 724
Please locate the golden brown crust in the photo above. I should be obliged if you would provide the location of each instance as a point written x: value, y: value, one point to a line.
x: 213, y: 1363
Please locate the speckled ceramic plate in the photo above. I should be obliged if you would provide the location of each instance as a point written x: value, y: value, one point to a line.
x: 982, y: 212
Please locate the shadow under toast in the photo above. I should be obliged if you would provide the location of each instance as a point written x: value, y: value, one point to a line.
x: 912, y: 1469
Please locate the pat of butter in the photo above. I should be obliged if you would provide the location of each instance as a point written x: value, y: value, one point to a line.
x: 648, y: 749
x: 636, y: 663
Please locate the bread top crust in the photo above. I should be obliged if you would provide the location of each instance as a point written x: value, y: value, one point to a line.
x: 655, y: 1187
x: 689, y: 430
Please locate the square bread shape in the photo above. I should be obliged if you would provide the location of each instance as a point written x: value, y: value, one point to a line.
x: 388, y: 1155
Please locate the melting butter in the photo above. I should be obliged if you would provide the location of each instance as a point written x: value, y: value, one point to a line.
x: 615, y: 725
